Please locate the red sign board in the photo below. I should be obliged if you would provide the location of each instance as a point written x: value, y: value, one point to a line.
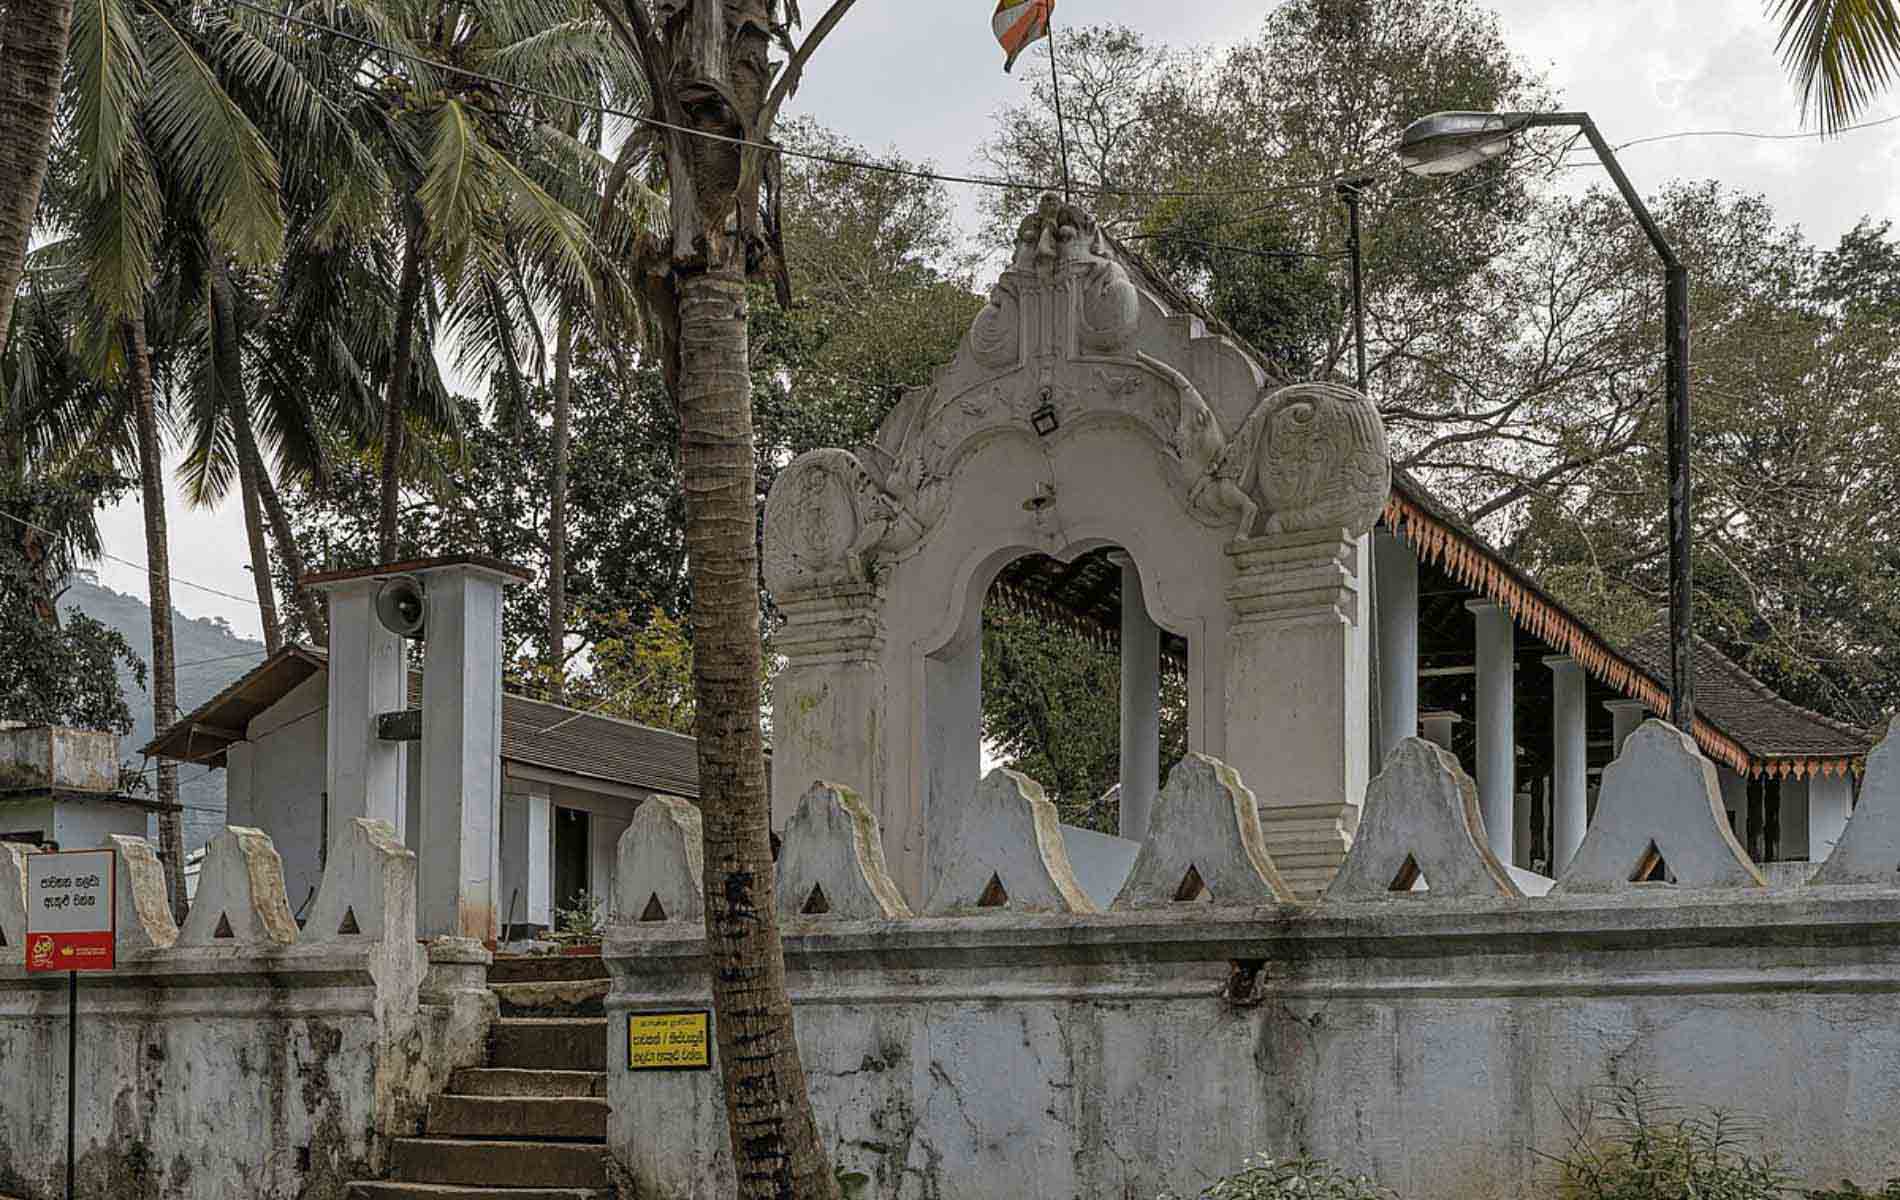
x: 71, y: 911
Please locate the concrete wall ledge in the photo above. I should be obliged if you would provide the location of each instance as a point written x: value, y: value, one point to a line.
x: 1411, y: 927
x: 316, y: 966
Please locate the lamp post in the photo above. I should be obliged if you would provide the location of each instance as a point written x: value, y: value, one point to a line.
x: 1449, y: 142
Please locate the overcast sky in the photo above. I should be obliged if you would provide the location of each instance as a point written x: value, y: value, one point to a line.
x: 924, y: 77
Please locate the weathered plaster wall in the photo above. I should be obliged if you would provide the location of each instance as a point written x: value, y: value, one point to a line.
x: 275, y: 1063
x: 207, y: 1073
x: 1435, y: 1047
x: 1438, y: 1040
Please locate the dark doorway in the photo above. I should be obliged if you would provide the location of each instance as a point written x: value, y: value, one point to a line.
x: 572, y: 838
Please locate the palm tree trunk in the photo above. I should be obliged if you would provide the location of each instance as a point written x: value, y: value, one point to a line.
x: 396, y: 397
x: 315, y: 623
x: 557, y: 503
x: 228, y: 362
x: 775, y: 1141
x: 248, y: 470
x: 158, y: 580
x: 32, y: 63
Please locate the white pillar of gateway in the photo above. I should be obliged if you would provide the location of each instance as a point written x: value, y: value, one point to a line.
x: 1830, y: 803
x: 1569, y: 759
x: 1141, y: 705
x: 1395, y: 590
x: 1625, y: 716
x: 459, y: 873
x: 1497, y: 741
x: 1436, y: 727
x: 364, y: 775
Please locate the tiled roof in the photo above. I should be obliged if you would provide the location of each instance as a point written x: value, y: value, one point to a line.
x: 544, y: 735
x: 1747, y: 709
x: 533, y: 733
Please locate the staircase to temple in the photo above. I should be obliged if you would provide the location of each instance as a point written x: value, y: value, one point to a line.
x: 532, y: 1124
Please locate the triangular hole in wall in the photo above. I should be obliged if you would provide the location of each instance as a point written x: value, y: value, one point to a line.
x: 816, y: 904
x: 1192, y: 888
x: 1651, y: 867
x: 1409, y: 878
x: 995, y: 895
x: 224, y: 927
x: 348, y: 926
x: 655, y: 911
x: 3, y: 937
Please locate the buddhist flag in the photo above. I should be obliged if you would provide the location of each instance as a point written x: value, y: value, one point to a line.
x: 1021, y: 22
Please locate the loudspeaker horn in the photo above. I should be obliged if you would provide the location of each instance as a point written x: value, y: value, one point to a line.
x: 400, y: 606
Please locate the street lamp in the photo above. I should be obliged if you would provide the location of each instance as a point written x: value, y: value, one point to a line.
x: 1449, y: 142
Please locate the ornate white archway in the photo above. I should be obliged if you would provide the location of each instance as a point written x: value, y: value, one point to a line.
x: 1080, y: 411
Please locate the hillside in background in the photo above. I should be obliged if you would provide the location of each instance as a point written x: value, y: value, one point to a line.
x: 210, y: 656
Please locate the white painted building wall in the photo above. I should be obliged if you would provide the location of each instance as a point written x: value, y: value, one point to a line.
x: 275, y: 782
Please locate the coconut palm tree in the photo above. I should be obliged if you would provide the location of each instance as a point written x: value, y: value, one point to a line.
x: 153, y: 132
x: 710, y: 71
x: 1842, y: 54
x: 32, y: 61
x: 470, y: 205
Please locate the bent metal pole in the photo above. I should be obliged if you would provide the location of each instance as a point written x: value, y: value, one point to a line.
x: 1678, y: 417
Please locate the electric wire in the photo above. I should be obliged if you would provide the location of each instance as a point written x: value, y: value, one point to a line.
x: 182, y: 582
x: 830, y: 159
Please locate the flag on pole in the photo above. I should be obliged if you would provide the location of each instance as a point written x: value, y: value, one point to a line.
x: 1019, y: 23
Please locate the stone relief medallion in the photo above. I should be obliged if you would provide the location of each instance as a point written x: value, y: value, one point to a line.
x: 826, y: 521
x: 810, y: 525
x: 1324, y: 462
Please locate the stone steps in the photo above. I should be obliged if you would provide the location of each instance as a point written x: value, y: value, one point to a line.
x: 549, y: 1043
x: 532, y: 1124
x: 553, y: 998
x: 546, y: 968
x: 491, y: 1164
x: 514, y: 1081
x: 565, y: 1118
x: 391, y: 1190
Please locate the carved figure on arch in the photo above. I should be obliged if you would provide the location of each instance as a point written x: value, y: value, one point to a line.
x: 1217, y: 487
x: 827, y: 519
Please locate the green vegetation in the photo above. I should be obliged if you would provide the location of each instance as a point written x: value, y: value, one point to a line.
x: 1301, y: 1178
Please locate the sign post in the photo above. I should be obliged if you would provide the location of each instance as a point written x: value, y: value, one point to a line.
x: 71, y: 926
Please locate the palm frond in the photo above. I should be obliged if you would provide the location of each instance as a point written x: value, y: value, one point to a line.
x: 455, y: 189
x: 118, y: 231
x: 107, y: 84
x: 209, y: 465
x: 1842, y: 54
x: 222, y: 158
x: 551, y: 234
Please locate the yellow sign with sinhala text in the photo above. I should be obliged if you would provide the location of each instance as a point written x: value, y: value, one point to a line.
x: 669, y: 1041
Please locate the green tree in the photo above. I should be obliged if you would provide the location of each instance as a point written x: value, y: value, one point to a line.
x: 1797, y: 546
x: 1052, y: 710
x: 154, y: 138
x: 641, y: 672
x: 475, y: 220
x: 53, y: 672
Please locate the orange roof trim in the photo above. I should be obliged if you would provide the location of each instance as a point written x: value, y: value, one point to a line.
x: 1438, y: 542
